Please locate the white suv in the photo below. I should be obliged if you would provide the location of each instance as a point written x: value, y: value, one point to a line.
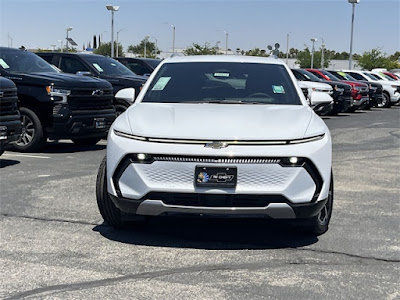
x: 219, y: 135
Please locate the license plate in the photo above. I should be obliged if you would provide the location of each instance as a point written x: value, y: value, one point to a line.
x: 100, y: 123
x: 222, y: 177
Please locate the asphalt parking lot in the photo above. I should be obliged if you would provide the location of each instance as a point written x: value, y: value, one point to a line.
x: 54, y: 245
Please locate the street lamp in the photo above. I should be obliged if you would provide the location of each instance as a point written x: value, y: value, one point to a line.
x: 68, y: 29
x: 352, y: 26
x: 313, y: 40
x: 287, y: 48
x: 113, y: 8
x: 173, y: 38
x: 117, y: 39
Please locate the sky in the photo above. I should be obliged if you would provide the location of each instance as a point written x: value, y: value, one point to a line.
x: 249, y: 23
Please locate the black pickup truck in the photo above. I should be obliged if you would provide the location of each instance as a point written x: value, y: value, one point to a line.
x: 10, y: 119
x: 98, y: 66
x: 54, y: 105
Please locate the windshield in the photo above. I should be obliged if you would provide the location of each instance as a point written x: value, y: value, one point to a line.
x: 222, y: 82
x: 372, y: 76
x: 108, y: 66
x: 344, y: 76
x: 19, y: 61
x: 330, y: 76
x: 152, y: 62
x: 308, y: 75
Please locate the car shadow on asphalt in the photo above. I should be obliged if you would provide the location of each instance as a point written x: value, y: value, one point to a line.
x: 8, y: 162
x: 60, y: 147
x: 208, y: 233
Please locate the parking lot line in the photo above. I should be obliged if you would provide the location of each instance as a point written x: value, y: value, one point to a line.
x: 24, y: 155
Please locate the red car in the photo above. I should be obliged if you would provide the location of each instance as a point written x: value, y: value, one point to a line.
x: 359, y: 92
x: 391, y: 75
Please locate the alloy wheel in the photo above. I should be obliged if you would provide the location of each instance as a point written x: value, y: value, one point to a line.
x: 28, y: 131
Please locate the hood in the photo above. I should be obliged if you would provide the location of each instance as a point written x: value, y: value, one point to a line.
x: 312, y: 84
x: 64, y: 80
x: 219, y: 121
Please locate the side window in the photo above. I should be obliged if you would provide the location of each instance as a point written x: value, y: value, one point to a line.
x: 138, y: 68
x: 356, y: 76
x: 72, y: 65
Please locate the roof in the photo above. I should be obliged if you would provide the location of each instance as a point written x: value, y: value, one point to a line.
x: 223, y: 58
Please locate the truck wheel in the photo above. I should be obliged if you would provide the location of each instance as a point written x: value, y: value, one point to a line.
x: 319, y: 224
x: 120, y: 109
x: 32, y: 137
x: 86, y: 142
x: 385, y: 101
x: 110, y: 213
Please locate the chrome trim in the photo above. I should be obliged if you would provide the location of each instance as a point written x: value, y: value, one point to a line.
x: 129, y: 136
x: 228, y: 143
x: 273, y: 210
x: 223, y: 160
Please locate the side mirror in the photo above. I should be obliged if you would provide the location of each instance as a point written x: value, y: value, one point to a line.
x: 84, y: 73
x: 127, y: 94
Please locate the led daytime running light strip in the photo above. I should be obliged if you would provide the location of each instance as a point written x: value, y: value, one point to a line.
x: 238, y: 143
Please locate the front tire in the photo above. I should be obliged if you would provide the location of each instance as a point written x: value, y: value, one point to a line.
x: 110, y: 213
x: 319, y: 224
x: 32, y: 138
x: 385, y: 101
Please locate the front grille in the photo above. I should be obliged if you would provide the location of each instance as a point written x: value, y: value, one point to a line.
x: 215, y: 200
x: 83, y: 99
x: 216, y: 160
x: 8, y: 102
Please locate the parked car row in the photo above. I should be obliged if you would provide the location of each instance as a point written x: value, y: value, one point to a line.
x: 354, y: 89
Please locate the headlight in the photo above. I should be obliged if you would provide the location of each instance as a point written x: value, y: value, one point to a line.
x: 320, y: 90
x: 52, y: 91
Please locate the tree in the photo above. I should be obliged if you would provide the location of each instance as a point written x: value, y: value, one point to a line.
x: 197, y: 49
x: 304, y: 59
x: 94, y: 42
x: 375, y: 59
x: 105, y: 49
x: 257, y: 52
x: 151, y: 50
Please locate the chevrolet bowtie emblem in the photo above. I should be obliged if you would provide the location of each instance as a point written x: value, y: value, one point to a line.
x: 216, y: 145
x: 98, y: 93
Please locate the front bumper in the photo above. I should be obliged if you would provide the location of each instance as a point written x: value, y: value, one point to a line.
x: 362, y: 103
x: 284, y: 210
x: 80, y: 124
x: 342, y: 103
x: 265, y: 189
x: 10, y: 129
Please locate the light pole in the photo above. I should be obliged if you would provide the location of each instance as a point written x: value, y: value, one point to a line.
x: 173, y: 38
x: 145, y: 45
x: 117, y: 40
x: 68, y: 29
x: 113, y: 8
x: 313, y: 40
x: 352, y: 26
x: 287, y: 48
x: 322, y: 54
x: 226, y: 42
